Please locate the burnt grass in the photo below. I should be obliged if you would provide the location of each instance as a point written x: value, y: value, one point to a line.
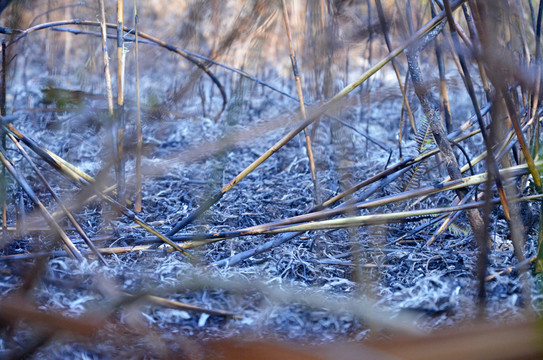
x: 434, y: 286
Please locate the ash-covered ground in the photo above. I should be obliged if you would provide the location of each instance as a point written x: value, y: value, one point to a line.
x: 319, y: 286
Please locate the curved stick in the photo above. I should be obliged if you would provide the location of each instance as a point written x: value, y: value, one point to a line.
x: 151, y: 38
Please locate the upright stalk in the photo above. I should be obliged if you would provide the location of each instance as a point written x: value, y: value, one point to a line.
x: 107, y: 72
x: 120, y: 126
x: 491, y: 160
x: 432, y: 113
x: 3, y: 184
x: 384, y: 29
x: 443, y: 93
x: 139, y: 146
x: 301, y: 100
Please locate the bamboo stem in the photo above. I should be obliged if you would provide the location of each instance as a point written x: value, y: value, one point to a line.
x: 120, y: 120
x: 3, y: 181
x: 301, y: 101
x: 139, y: 135
x: 405, y: 102
x: 107, y: 72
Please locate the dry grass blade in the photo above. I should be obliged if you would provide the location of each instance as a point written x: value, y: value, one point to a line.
x: 446, y: 222
x: 186, y: 244
x: 182, y: 306
x: 181, y: 52
x: 268, y: 245
x: 508, y: 270
x: 54, y: 160
x: 401, y: 165
x: 431, y: 25
x: 308, y: 222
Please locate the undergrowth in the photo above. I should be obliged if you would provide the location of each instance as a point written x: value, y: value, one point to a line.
x: 207, y: 176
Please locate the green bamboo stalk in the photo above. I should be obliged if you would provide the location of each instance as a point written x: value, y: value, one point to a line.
x: 355, y: 221
x: 406, y: 195
x: 376, y: 219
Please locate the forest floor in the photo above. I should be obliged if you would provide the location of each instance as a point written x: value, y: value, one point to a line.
x: 319, y: 286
